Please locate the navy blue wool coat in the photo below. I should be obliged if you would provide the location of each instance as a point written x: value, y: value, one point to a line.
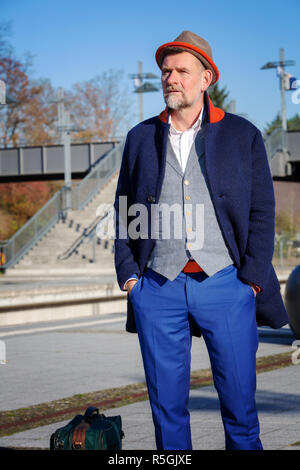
x: 241, y: 188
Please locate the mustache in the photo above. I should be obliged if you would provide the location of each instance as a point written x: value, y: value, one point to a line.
x: 172, y: 88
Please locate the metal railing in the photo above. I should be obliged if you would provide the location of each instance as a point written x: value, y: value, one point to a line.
x: 12, y: 250
x: 286, y: 250
x: 277, y: 141
x: 94, y: 181
x: 32, y: 231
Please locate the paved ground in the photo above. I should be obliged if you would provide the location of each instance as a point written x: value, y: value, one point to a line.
x: 48, y: 361
x: 56, y: 360
x: 278, y: 403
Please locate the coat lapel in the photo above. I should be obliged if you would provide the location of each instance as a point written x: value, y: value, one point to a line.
x: 161, y: 154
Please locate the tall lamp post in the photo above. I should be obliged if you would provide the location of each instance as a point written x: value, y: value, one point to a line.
x: 142, y: 86
x: 280, y: 65
x: 64, y: 128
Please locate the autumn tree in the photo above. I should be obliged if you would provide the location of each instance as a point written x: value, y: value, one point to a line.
x: 40, y: 114
x: 29, y: 118
x: 16, y: 80
x: 100, y: 107
x: 20, y: 201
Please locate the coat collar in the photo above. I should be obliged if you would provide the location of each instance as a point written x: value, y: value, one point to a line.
x: 214, y: 114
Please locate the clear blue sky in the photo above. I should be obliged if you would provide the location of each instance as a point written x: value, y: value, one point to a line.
x: 75, y: 40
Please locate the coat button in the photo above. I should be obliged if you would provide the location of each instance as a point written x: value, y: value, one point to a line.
x: 151, y: 199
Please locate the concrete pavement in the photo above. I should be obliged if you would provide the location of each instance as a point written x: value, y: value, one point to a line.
x: 278, y: 403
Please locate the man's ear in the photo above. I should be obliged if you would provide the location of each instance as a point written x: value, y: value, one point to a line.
x: 206, y: 79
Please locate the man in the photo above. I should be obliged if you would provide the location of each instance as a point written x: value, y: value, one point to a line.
x: 216, y: 278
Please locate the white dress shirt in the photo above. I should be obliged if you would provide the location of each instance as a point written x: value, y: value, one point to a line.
x: 182, y: 141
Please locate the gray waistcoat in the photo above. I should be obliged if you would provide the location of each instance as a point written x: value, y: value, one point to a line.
x: 184, y: 223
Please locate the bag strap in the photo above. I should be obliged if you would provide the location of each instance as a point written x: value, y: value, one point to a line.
x: 78, y: 438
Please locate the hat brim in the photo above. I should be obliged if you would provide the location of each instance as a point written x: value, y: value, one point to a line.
x: 196, y: 51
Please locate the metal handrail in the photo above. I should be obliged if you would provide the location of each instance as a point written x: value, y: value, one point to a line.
x: 12, y: 250
x: 86, y: 235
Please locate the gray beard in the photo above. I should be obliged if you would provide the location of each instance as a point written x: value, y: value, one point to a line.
x: 176, y: 102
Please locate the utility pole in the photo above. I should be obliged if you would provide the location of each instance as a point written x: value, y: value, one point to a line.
x: 141, y: 87
x: 282, y: 90
x: 67, y: 158
x: 60, y: 113
x: 140, y: 71
x: 280, y: 66
x: 64, y: 129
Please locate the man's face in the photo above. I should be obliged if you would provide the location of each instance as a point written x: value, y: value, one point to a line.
x: 181, y: 80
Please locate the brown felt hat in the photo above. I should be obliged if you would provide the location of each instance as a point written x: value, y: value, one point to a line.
x: 190, y: 42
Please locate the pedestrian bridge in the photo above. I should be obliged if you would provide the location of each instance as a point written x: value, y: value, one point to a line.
x: 47, y: 162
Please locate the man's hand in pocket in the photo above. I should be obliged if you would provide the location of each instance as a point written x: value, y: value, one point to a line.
x: 130, y: 284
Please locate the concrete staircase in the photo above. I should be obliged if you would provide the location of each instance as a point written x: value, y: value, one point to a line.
x: 66, y: 248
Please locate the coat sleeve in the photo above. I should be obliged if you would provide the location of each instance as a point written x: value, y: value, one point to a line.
x: 256, y: 263
x: 125, y: 264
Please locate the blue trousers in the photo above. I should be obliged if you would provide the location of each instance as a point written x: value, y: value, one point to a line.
x: 224, y: 308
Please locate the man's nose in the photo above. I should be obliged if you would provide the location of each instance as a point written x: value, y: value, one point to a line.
x: 172, y: 77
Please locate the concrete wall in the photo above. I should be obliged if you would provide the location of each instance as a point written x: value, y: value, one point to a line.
x: 287, y: 197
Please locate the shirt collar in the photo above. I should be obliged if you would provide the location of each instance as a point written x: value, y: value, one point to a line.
x: 196, y: 126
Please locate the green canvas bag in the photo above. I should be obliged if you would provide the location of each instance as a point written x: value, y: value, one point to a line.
x: 91, y: 431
